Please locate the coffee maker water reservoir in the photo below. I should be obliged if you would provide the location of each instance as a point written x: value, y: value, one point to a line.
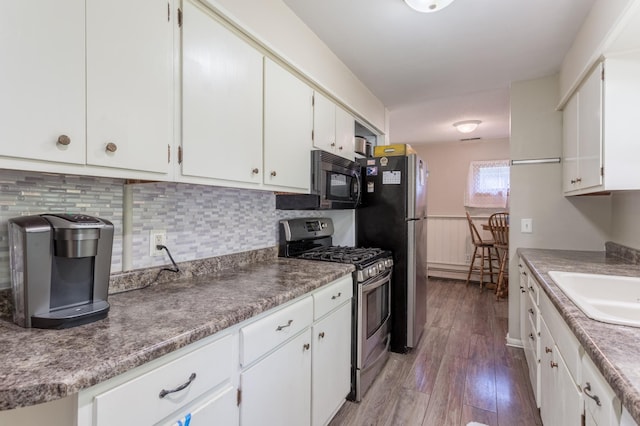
x: 60, y: 266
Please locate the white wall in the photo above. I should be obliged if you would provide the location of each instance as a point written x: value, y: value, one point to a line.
x: 578, y: 223
x: 625, y: 227
x: 277, y: 27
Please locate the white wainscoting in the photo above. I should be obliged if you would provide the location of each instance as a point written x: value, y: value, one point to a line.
x: 449, y: 247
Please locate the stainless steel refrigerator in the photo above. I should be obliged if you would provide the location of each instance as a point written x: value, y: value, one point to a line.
x: 393, y: 216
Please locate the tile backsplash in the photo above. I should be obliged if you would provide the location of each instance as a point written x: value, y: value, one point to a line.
x: 29, y: 193
x: 200, y: 221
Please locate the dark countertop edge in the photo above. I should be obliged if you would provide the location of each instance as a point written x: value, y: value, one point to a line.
x: 26, y: 396
x: 625, y: 389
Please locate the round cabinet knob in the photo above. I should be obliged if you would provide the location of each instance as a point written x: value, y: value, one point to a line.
x: 321, y: 335
x: 548, y: 349
x: 255, y: 171
x: 306, y: 346
x: 273, y: 173
x: 340, y: 148
x: 111, y: 147
x: 333, y: 144
x: 553, y: 364
x: 64, y: 140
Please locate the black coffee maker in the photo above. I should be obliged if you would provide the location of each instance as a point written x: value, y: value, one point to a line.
x: 60, y: 266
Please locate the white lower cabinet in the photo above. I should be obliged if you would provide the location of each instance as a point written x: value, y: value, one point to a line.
x: 306, y: 378
x: 330, y: 373
x: 569, y: 388
x: 277, y: 389
x: 219, y: 409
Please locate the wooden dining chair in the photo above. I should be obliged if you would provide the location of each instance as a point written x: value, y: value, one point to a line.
x: 499, y: 226
x: 482, y: 251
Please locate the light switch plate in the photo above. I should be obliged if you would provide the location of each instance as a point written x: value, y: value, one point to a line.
x: 526, y: 226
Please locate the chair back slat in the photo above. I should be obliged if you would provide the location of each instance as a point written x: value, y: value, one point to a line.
x: 475, y: 235
x: 499, y: 225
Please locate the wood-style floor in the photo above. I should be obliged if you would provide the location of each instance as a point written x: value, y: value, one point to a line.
x: 461, y: 372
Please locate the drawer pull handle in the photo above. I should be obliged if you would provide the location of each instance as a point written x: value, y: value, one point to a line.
x: 586, y: 390
x: 281, y: 327
x: 548, y: 349
x: 255, y: 171
x: 64, y: 140
x: 531, y: 311
x: 165, y: 392
x: 553, y: 364
x: 306, y: 346
x: 321, y: 335
x: 522, y: 289
x: 336, y: 296
x: 531, y: 336
x: 111, y: 147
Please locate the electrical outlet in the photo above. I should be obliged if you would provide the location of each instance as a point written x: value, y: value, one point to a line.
x: 526, y: 226
x: 156, y: 238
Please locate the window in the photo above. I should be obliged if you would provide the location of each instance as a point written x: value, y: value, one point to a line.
x: 487, y: 184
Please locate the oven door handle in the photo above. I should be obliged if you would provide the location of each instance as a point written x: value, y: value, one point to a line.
x: 369, y: 287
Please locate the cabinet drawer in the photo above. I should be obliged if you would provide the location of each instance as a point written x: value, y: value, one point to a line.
x: 220, y: 409
x: 599, y: 399
x: 261, y: 336
x: 332, y: 296
x: 138, y: 401
x: 534, y: 290
x: 565, y: 340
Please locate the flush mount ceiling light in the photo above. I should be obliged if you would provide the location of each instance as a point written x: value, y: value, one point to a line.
x: 467, y: 126
x: 427, y: 6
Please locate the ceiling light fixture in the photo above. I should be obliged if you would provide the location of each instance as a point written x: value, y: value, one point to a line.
x: 466, y: 126
x: 428, y: 6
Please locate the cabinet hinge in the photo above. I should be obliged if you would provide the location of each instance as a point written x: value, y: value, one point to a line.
x: 312, y: 135
x: 602, y: 74
x: 313, y: 100
x: 168, y: 12
x: 239, y: 397
x: 179, y: 18
x: 179, y: 155
x: 168, y: 153
x: 601, y: 171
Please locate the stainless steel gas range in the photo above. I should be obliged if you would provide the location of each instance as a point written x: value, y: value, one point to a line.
x: 311, y: 238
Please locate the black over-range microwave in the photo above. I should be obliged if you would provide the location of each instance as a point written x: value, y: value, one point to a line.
x: 335, y: 184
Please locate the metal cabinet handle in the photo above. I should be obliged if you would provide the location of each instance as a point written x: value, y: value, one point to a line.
x: 548, y: 349
x: 111, y: 147
x: 573, y: 181
x: 333, y: 144
x: 63, y: 140
x: 280, y: 327
x: 306, y: 346
x: 586, y: 390
x: 578, y: 180
x: 273, y: 173
x: 321, y: 335
x: 340, y: 148
x: 336, y: 296
x: 165, y: 392
x: 553, y: 364
x: 255, y: 171
x: 531, y: 311
x: 531, y: 336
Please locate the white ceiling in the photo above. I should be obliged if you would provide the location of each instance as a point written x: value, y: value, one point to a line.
x: 433, y: 69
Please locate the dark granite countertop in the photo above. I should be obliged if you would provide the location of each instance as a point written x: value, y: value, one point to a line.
x: 44, y: 365
x: 614, y: 349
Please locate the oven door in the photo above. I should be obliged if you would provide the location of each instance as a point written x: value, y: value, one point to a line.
x: 373, y: 328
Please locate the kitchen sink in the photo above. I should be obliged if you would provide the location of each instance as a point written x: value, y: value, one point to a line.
x: 608, y: 298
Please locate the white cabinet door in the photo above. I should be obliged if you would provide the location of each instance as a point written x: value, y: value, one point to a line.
x: 221, y: 101
x: 570, y: 145
x: 288, y: 117
x: 129, y: 84
x: 330, y: 374
x: 324, y: 123
x: 568, y: 395
x: 345, y: 133
x: 548, y: 405
x: 42, y: 80
x: 590, y: 131
x: 277, y: 390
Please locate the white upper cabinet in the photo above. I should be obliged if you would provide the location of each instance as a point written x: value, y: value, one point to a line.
x: 130, y: 84
x: 600, y: 148
x: 42, y: 80
x: 333, y: 127
x: 221, y: 101
x: 288, y: 123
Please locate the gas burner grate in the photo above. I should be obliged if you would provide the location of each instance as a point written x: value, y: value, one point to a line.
x: 340, y: 254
